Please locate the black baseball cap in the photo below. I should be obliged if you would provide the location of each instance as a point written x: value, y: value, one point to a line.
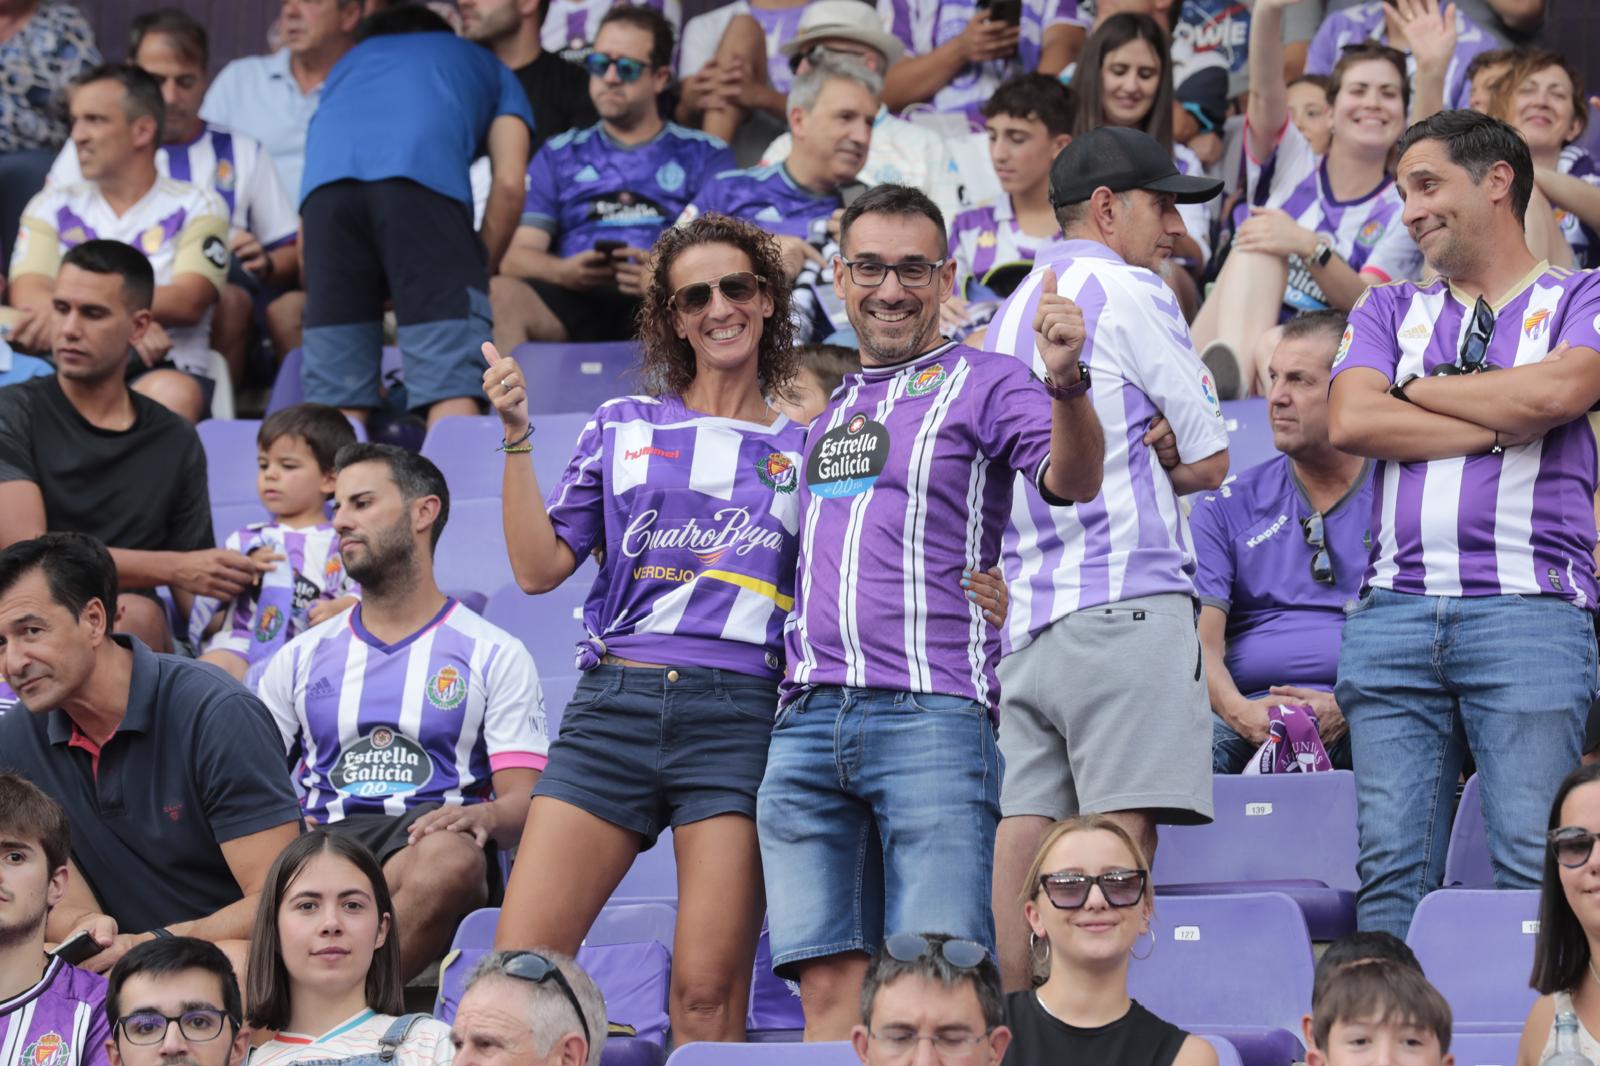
x: 1121, y: 159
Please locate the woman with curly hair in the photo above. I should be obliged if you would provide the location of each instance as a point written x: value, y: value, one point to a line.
x: 690, y: 491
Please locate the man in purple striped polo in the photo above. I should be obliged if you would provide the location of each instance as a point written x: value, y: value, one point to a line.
x: 878, y: 810
x: 1474, y: 629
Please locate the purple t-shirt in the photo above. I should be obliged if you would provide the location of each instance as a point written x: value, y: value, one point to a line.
x: 60, y: 1021
x: 697, y: 516
x: 1482, y: 525
x: 770, y: 198
x: 908, y: 479
x: 1255, y: 567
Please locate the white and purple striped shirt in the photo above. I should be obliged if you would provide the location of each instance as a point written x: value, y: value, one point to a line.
x: 988, y: 236
x: 1133, y: 539
x: 908, y: 478
x: 1367, y: 233
x: 263, y: 619
x: 1365, y: 22
x: 697, y: 516
x: 428, y: 719
x: 1482, y: 525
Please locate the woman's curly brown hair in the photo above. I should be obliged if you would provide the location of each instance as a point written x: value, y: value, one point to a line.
x: 669, y: 363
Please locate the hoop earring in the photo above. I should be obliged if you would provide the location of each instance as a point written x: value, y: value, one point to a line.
x: 1147, y: 954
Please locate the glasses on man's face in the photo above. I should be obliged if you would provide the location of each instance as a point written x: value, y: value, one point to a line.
x: 740, y: 288
x: 1475, y: 345
x: 150, y: 1026
x: 950, y: 1045
x: 1317, y: 536
x: 1070, y: 892
x: 532, y: 966
x: 628, y: 68
x: 913, y: 274
x: 1571, y: 845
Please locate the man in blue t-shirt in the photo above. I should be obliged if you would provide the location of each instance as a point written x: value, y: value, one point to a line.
x: 386, y: 208
x: 1281, y: 549
x: 597, y: 198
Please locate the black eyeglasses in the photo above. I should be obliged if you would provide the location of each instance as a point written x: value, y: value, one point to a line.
x: 1317, y: 536
x: 1475, y: 345
x: 914, y: 274
x: 150, y: 1026
x: 740, y: 288
x: 532, y: 966
x: 628, y: 68
x: 1069, y: 892
x: 1571, y: 845
x: 911, y: 947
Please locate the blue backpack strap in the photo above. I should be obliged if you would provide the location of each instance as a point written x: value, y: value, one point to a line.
x: 396, y: 1034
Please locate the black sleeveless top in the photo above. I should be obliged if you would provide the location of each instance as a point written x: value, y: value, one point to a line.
x: 1138, y: 1038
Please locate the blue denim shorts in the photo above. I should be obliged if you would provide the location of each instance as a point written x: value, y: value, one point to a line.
x: 645, y: 748
x: 877, y: 816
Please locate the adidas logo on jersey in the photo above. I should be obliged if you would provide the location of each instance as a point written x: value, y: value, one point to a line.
x: 588, y: 173
x: 1418, y: 332
x: 322, y: 689
x: 769, y: 214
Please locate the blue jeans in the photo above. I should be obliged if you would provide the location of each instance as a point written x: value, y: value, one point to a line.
x: 877, y: 815
x: 1423, y: 679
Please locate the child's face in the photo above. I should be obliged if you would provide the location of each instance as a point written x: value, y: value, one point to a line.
x: 1393, y: 1043
x: 1312, y: 115
x: 804, y: 399
x: 290, y: 482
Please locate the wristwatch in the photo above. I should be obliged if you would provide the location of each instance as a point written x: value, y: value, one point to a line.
x: 1323, y: 252
x: 1398, y: 389
x: 1068, y: 392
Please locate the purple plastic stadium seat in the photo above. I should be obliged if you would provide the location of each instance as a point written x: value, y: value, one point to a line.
x: 832, y: 1053
x: 1467, y: 864
x: 1476, y: 947
x: 634, y: 922
x: 227, y: 517
x: 230, y: 447
x: 1289, y: 833
x: 576, y: 377
x: 464, y: 447
x: 549, y: 624
x: 1194, y: 978
x: 1249, y: 433
x: 1227, y: 1054
x: 653, y: 875
x: 1485, y: 1049
x: 775, y: 1012
x: 472, y: 549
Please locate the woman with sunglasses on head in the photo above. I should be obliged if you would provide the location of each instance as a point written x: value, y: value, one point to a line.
x: 324, y: 973
x: 1566, y: 972
x: 1088, y: 900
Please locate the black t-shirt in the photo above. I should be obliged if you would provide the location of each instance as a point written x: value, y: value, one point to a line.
x: 142, y: 488
x: 1138, y: 1038
x: 558, y: 91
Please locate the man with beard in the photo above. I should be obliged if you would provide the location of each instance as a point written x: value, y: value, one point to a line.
x: 883, y: 762
x: 157, y: 761
x: 419, y: 727
x: 49, y: 1010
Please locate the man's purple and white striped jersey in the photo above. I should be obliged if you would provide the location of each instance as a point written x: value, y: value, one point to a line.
x: 1133, y: 539
x: 1482, y: 525
x: 908, y: 479
x: 263, y: 619
x: 1367, y: 233
x: 1365, y: 22
x: 428, y: 719
x: 987, y: 236
x: 698, y: 517
x: 59, y: 1021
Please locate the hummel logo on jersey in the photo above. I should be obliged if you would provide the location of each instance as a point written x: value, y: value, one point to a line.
x: 1418, y: 332
x: 322, y: 689
x: 588, y: 173
x: 769, y: 214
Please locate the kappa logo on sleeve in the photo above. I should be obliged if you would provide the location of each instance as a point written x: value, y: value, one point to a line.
x: 215, y: 251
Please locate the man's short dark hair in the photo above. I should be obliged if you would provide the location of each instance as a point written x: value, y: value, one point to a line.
x: 1329, y: 323
x: 165, y: 956
x: 1477, y: 142
x: 1033, y: 97
x: 1380, y: 992
x: 143, y: 91
x: 1360, y: 947
x: 325, y: 430
x: 415, y: 475
x: 894, y: 200
x: 101, y: 256
x: 26, y: 813
x: 933, y: 966
x: 402, y: 18
x: 645, y: 18
x: 187, y: 35
x: 75, y: 565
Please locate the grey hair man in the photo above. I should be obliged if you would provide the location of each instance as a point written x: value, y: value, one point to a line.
x: 529, y: 1008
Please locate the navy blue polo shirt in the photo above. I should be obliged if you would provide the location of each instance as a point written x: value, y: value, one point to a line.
x: 196, y: 762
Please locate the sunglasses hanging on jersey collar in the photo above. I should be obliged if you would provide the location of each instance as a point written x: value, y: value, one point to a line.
x: 1472, y: 358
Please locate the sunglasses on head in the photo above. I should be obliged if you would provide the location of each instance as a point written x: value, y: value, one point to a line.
x: 534, y: 967
x: 628, y: 68
x: 1316, y: 536
x: 1068, y: 892
x: 1475, y: 345
x: 740, y: 288
x: 912, y: 947
x: 1571, y: 845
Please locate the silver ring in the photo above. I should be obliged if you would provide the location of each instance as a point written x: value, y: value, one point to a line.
x: 505, y: 386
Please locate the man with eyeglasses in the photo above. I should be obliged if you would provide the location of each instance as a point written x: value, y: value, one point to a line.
x: 1104, y: 708
x: 529, y: 1008
x: 935, y: 990
x: 175, y: 1000
x: 883, y: 761
x: 599, y: 197
x: 1281, y: 549
x: 1474, y: 629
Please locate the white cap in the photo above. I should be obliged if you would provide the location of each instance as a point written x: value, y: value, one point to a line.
x: 852, y: 20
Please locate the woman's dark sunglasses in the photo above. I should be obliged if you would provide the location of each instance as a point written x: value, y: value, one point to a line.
x: 1475, y: 345
x: 628, y: 68
x: 1068, y: 892
x: 1571, y: 845
x: 739, y: 288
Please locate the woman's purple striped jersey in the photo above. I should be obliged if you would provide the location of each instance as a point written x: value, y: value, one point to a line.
x: 1482, y: 525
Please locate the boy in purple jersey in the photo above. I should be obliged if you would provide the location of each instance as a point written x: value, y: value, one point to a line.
x: 49, y: 1010
x: 907, y: 480
x: 1474, y: 630
x: 308, y: 584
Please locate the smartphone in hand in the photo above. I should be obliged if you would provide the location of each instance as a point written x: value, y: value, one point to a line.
x: 78, y: 948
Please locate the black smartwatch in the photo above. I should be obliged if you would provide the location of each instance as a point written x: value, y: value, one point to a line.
x: 1068, y: 392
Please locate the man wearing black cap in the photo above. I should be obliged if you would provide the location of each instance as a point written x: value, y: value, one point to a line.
x: 1102, y: 594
